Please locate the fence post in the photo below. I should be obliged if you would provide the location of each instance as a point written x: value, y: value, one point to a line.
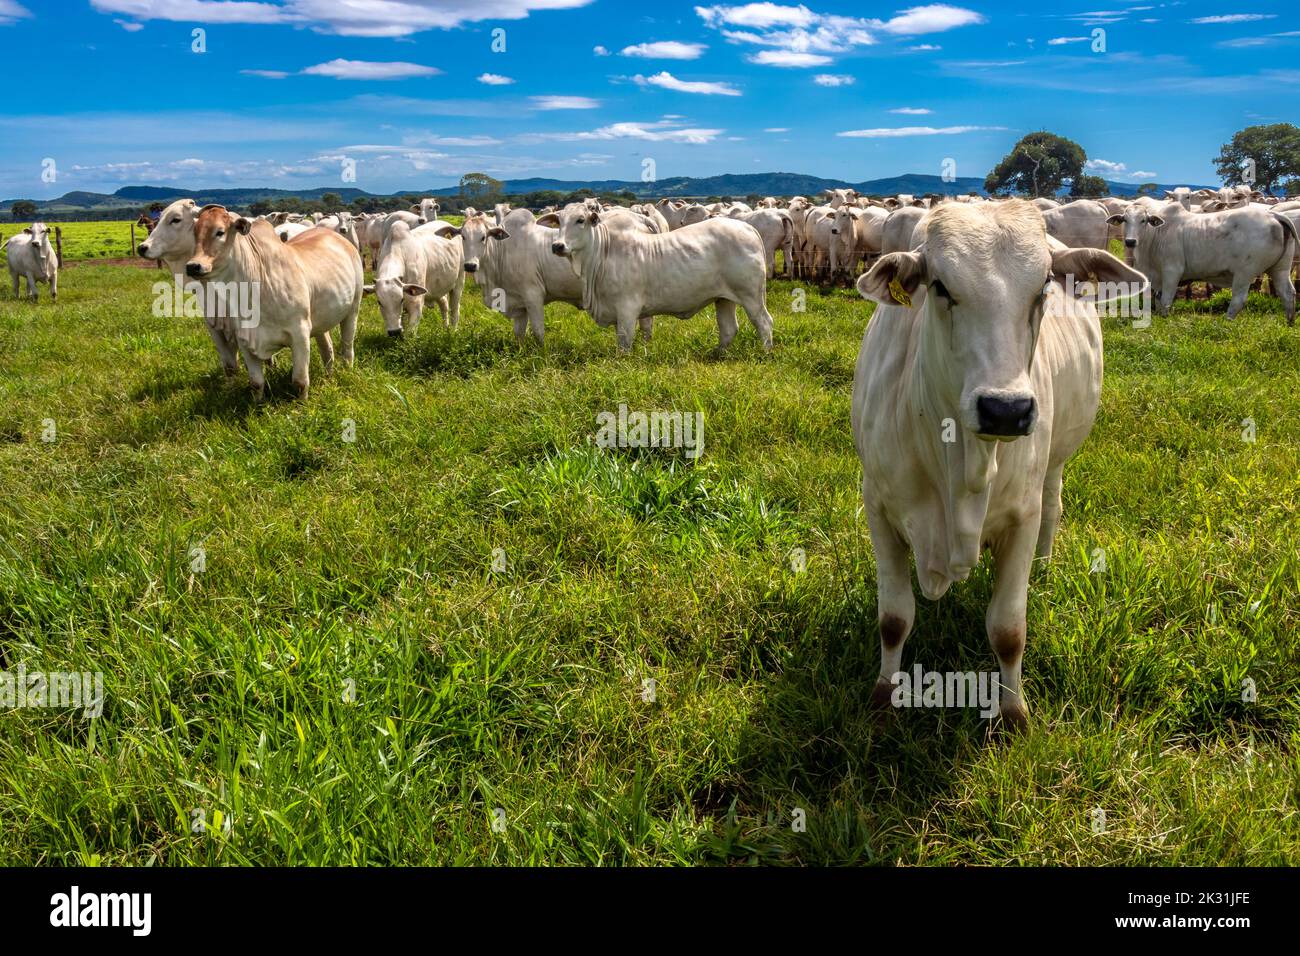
x: 58, y: 244
x: 132, y: 240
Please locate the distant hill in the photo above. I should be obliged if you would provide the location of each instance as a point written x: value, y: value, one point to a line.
x: 132, y: 198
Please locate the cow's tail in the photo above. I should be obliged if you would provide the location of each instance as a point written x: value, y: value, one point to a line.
x: 1288, y: 227
x: 787, y: 243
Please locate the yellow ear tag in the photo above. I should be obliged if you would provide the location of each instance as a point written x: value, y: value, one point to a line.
x: 899, y: 295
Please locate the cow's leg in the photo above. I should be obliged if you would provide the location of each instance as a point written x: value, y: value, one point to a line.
x: 227, y: 351
x: 14, y: 276
x: 771, y: 262
x: 537, y: 319
x: 726, y: 313
x: 895, y: 603
x: 1280, y: 276
x: 1240, y: 289
x: 520, y: 320
x: 453, y: 304
x: 647, y: 323
x: 348, y: 334
x: 1013, y: 554
x: 445, y: 310
x: 54, y: 286
x: 31, y: 288
x: 326, y: 346
x: 256, y: 372
x: 1051, y: 517
x: 625, y: 326
x: 756, y: 309
x: 1168, y: 289
x: 300, y: 348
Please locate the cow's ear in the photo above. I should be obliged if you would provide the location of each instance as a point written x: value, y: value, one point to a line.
x: 413, y: 289
x: 496, y: 232
x: 893, y: 279
x: 1115, y: 220
x: 550, y: 220
x: 28, y: 230
x: 1114, y: 280
x: 415, y: 209
x: 447, y: 232
x: 242, y: 225
x: 1155, y: 221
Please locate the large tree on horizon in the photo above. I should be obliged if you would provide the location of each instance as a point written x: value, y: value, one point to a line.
x: 1265, y: 157
x: 1038, y: 165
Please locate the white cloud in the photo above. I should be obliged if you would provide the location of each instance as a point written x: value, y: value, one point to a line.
x: 663, y: 131
x: 564, y: 103
x: 666, y: 50
x: 1061, y: 41
x: 1104, y: 167
x: 891, y: 132
x: 833, y: 79
x: 759, y: 15
x: 494, y: 79
x: 788, y: 58
x: 344, y: 17
x: 912, y: 110
x: 777, y: 129
x: 934, y: 18
x: 366, y: 70
x: 127, y: 25
x: 266, y: 74
x: 12, y: 12
x: 923, y: 47
x: 1236, y: 18
x: 600, y: 51
x: 667, y: 81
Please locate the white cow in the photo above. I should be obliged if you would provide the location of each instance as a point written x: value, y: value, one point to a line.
x: 31, y: 256
x: 427, y: 209
x: 976, y: 381
x: 300, y: 289
x: 415, y: 264
x: 628, y: 277
x: 172, y: 244
x: 515, y: 270
x: 899, y: 230
x: 291, y: 229
x: 776, y: 229
x: 1081, y: 224
x: 652, y: 213
x: 1232, y: 247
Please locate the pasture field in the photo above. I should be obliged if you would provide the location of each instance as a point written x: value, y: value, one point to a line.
x: 85, y: 240
x: 344, y: 679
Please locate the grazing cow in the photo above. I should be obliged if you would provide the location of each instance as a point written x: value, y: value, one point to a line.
x: 31, y: 256
x: 515, y: 270
x: 1082, y: 224
x: 629, y: 277
x: 302, y: 289
x: 776, y: 229
x: 977, y: 379
x: 172, y: 244
x: 1171, y: 246
x: 415, y: 264
x: 898, y: 231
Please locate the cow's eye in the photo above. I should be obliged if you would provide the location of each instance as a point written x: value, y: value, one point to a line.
x: 220, y: 233
x: 176, y: 221
x: 581, y: 221
x: 941, y: 289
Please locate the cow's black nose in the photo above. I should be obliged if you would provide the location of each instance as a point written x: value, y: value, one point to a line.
x: 471, y: 267
x: 394, y: 333
x: 1130, y: 243
x: 557, y: 248
x: 193, y: 270
x: 1006, y: 416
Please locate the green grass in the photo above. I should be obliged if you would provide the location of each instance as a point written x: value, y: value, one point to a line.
x: 86, y: 240
x: 370, y: 562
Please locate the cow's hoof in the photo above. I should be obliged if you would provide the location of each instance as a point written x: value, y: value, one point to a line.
x: 1014, y: 719
x: 394, y: 333
x: 882, y: 696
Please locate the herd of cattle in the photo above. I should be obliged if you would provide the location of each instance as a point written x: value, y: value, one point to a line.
x: 977, y: 379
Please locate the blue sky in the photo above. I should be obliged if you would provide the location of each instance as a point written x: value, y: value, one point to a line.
x: 413, y: 93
